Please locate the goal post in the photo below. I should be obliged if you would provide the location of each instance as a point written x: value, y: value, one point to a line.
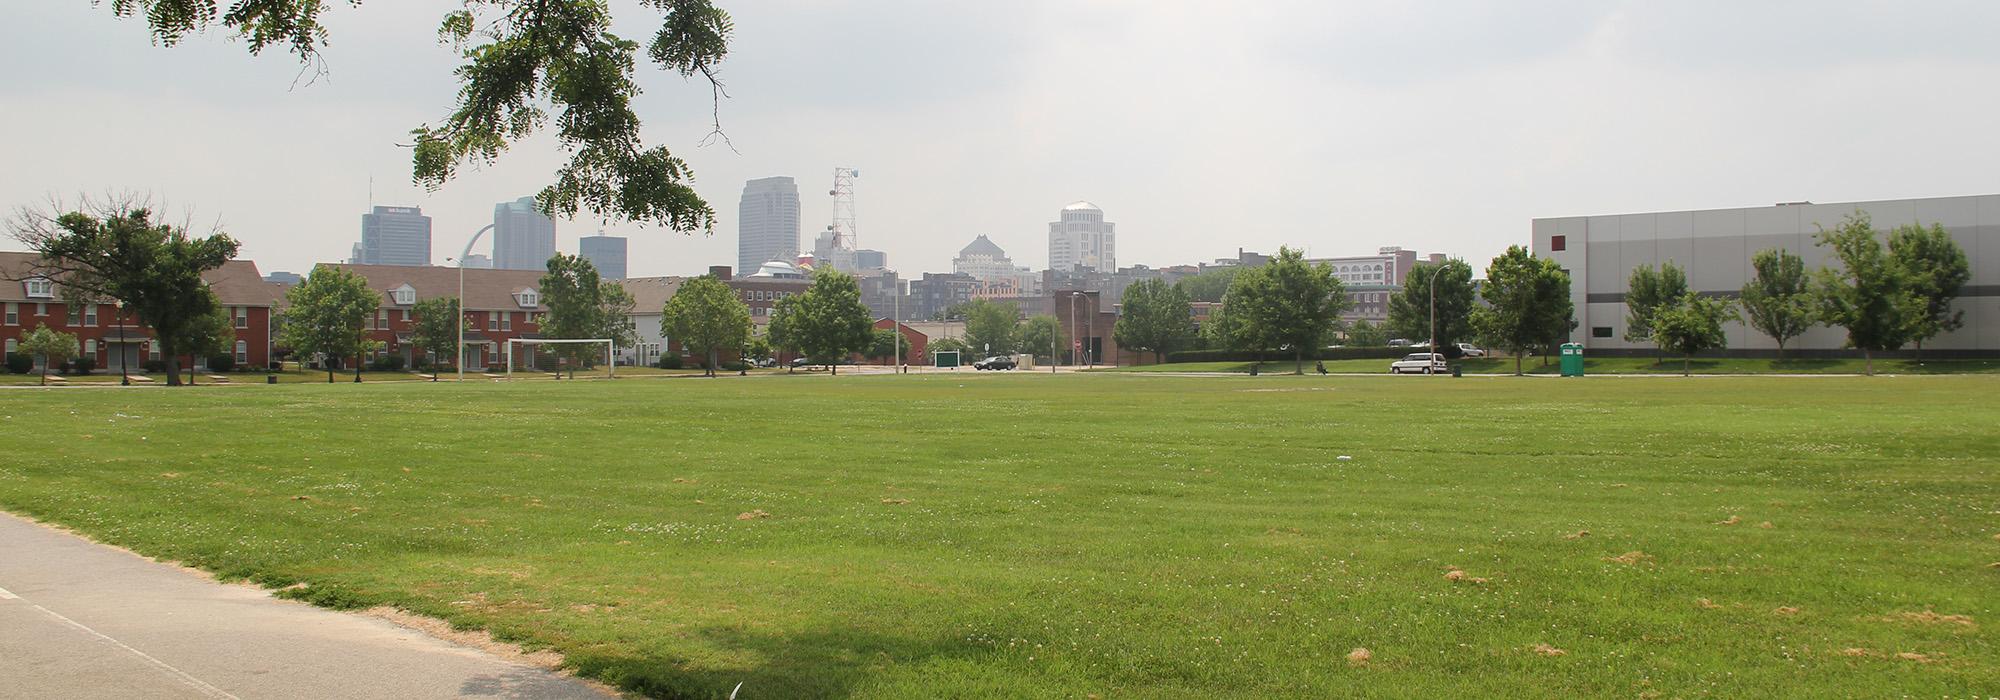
x: 610, y: 350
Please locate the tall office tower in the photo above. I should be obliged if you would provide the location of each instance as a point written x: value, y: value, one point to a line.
x: 767, y: 222
x: 523, y: 239
x: 606, y: 253
x: 1083, y: 239
x: 395, y: 236
x: 871, y: 259
x: 476, y: 261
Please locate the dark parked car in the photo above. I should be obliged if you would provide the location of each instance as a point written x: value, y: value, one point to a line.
x: 996, y: 362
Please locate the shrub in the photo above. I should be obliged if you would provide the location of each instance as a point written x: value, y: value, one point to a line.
x: 153, y: 366
x: 222, y: 363
x: 387, y: 363
x: 84, y: 365
x: 1276, y: 355
x: 20, y: 363
x: 670, y: 361
x: 735, y: 366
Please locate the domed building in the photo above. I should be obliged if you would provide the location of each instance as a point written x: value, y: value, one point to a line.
x: 1083, y: 239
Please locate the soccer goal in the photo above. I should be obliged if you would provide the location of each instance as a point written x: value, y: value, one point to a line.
x: 610, y: 348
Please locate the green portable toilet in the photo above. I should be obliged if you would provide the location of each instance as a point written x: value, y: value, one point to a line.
x: 1572, y: 359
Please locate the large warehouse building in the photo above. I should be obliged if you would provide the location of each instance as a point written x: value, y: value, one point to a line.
x: 1715, y: 246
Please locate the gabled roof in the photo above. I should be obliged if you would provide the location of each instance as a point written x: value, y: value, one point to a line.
x: 236, y: 283
x: 649, y: 294
x: 485, y: 290
x: 982, y: 246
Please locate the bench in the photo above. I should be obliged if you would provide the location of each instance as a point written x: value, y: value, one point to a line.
x: 139, y: 378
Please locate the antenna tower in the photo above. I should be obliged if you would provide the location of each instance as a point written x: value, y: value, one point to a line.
x: 843, y: 208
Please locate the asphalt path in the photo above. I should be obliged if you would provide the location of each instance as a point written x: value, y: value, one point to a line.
x: 83, y: 620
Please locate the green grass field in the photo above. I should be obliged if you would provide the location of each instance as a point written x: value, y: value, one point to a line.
x: 1113, y: 536
x: 1608, y: 365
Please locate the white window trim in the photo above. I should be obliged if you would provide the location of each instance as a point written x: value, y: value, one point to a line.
x: 41, y: 288
x: 242, y: 352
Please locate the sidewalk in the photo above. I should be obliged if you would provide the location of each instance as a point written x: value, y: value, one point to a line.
x: 82, y: 620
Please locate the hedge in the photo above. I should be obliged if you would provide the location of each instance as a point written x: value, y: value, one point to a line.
x: 1278, y: 355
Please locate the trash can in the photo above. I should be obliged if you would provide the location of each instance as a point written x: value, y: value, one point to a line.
x: 1456, y: 371
x: 1572, y: 359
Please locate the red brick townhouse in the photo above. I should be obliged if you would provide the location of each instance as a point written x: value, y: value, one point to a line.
x: 501, y: 304
x: 109, y: 337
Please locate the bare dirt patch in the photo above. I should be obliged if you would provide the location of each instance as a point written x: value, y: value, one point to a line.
x: 752, y: 515
x: 1631, y: 558
x: 1734, y: 519
x: 1766, y: 525
x: 1546, y: 650
x: 1786, y: 610
x: 896, y: 501
x: 1579, y: 534
x: 1914, y: 656
x: 1360, y: 656
x: 1707, y: 604
x: 1932, y: 617
x: 1855, y: 651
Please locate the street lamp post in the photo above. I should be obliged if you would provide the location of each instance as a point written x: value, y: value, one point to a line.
x: 1434, y: 312
x: 124, y: 374
x: 459, y: 361
x: 896, y: 323
x: 1075, y: 343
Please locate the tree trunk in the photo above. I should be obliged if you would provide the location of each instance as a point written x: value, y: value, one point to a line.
x: 1298, y: 361
x: 1781, y: 351
x: 45, y: 370
x: 357, y: 368
x: 329, y: 373
x: 1920, y: 353
x: 173, y: 366
x: 1868, y: 362
x: 1517, y: 364
x: 1685, y: 359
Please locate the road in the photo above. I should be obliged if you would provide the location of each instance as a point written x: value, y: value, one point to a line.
x: 82, y: 620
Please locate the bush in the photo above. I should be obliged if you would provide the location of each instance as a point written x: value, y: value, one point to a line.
x: 670, y: 361
x: 387, y: 363
x: 20, y: 363
x: 222, y: 363
x: 83, y: 365
x: 735, y: 366
x: 1278, y: 355
x: 153, y: 366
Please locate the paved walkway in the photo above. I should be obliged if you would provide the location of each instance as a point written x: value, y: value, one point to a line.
x: 82, y: 620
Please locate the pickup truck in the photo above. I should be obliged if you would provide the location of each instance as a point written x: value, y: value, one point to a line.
x: 1420, y: 363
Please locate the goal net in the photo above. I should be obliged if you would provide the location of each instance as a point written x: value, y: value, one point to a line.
x: 610, y: 364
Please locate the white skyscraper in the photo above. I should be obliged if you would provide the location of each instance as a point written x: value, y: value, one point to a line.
x: 523, y: 239
x: 767, y: 223
x: 1083, y: 239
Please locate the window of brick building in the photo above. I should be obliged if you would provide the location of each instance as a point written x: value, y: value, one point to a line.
x: 1600, y: 331
x: 243, y: 317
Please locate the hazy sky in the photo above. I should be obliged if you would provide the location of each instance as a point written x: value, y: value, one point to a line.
x: 1198, y: 127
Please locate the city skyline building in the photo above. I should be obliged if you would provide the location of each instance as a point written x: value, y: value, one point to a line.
x: 606, y: 253
x: 523, y: 238
x: 1083, y: 239
x: 767, y: 222
x: 394, y: 236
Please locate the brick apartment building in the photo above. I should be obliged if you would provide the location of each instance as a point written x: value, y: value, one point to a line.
x: 500, y: 305
x: 111, y: 338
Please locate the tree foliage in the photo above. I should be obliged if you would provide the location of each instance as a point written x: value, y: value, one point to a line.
x: 1363, y: 334
x: 434, y: 331
x: 1648, y: 291
x: 581, y: 306
x: 211, y: 335
x: 1690, y: 325
x: 1040, y: 335
x: 828, y: 322
x: 1285, y: 304
x: 705, y: 316
x: 886, y: 343
x: 1778, y: 299
x: 1528, y: 304
x: 327, y: 314
x: 522, y: 60
x: 1410, y: 307
x: 1935, y: 269
x: 989, y: 326
x: 53, y: 346
x: 119, y: 251
x: 1869, y: 295
x: 1155, y: 317
x: 1210, y: 285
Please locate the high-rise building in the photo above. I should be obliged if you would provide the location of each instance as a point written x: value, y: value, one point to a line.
x: 523, y: 239
x: 828, y: 251
x: 476, y: 261
x: 394, y: 236
x: 767, y: 222
x: 606, y: 253
x: 1083, y: 239
x: 871, y: 259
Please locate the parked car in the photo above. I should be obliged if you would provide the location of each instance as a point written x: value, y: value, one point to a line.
x: 1399, y: 343
x: 1470, y: 350
x: 996, y: 362
x: 1420, y: 363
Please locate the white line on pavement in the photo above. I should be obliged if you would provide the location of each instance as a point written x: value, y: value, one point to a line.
x: 8, y: 595
x: 191, y: 681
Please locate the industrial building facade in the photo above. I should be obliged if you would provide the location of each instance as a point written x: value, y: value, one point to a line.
x: 1715, y: 246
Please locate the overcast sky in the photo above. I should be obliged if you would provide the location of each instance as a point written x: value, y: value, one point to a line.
x: 1199, y: 127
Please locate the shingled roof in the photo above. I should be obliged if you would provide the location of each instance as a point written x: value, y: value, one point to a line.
x: 649, y: 294
x: 236, y: 283
x: 485, y: 290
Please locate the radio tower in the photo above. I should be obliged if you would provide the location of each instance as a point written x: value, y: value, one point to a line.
x: 842, y: 228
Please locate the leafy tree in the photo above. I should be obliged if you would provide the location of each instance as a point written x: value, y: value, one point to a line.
x: 706, y: 316
x: 886, y: 344
x: 779, y: 331
x: 212, y: 335
x: 829, y: 322
x: 434, y: 332
x: 1040, y: 334
x: 583, y: 306
x: 989, y: 326
x: 1286, y: 304
x: 1528, y: 304
x: 759, y: 348
x: 1692, y: 324
x: 1210, y: 285
x: 1869, y: 295
x: 1154, y: 316
x: 120, y: 251
x: 1779, y: 299
x: 1368, y: 335
x: 51, y: 345
x: 328, y: 315
x: 1223, y: 331
x: 1410, y: 308
x: 1647, y: 292
x: 522, y: 60
x: 957, y: 345
x: 1935, y: 269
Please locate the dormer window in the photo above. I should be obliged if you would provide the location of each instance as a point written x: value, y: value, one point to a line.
x: 41, y: 288
x: 528, y: 298
x: 404, y: 295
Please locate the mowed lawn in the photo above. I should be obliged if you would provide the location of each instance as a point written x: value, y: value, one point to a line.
x: 1111, y: 536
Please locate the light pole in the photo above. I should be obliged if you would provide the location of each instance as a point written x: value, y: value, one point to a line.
x: 124, y: 375
x: 459, y: 361
x: 1434, y: 312
x: 1075, y: 343
x: 896, y: 321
